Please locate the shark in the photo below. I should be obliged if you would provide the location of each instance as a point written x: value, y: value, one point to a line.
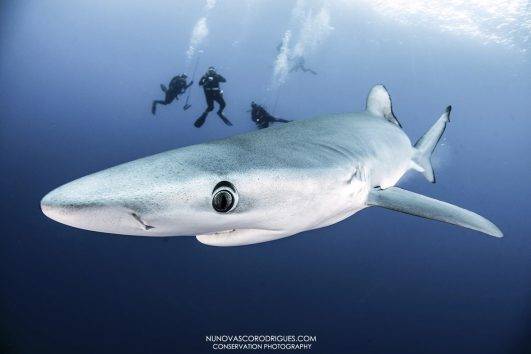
x: 265, y: 185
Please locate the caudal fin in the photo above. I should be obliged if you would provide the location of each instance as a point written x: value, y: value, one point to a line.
x: 427, y: 143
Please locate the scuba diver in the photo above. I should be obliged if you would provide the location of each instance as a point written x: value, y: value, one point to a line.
x: 176, y: 87
x: 299, y: 65
x: 210, y: 82
x: 262, y: 118
x: 298, y: 62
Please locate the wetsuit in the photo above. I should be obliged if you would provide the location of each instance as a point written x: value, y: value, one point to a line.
x: 262, y: 118
x: 176, y: 87
x: 210, y: 82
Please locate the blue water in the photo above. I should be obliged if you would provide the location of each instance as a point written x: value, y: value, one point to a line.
x: 76, y: 83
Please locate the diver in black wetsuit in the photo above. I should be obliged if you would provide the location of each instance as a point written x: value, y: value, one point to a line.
x: 299, y: 65
x: 262, y: 118
x: 210, y: 82
x: 176, y: 87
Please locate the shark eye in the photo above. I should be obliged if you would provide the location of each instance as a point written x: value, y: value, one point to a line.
x: 224, y: 197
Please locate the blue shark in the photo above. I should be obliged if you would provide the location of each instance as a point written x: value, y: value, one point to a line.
x: 265, y: 185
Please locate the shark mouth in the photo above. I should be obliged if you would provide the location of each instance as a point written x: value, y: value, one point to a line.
x: 141, y: 222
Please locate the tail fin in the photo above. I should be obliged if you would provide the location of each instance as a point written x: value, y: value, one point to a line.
x: 427, y: 143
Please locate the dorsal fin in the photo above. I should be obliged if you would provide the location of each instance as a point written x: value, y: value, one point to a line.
x: 379, y: 104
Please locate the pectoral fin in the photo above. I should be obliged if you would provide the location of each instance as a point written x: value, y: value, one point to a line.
x: 240, y: 237
x: 416, y: 204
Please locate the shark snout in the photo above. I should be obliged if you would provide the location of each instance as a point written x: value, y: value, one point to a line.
x: 64, y: 207
x: 146, y: 197
x: 52, y: 208
x: 72, y: 206
x: 59, y: 208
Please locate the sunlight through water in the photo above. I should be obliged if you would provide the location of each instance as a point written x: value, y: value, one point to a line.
x: 506, y: 22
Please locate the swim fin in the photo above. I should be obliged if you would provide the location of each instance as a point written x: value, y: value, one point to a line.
x: 200, y: 121
x: 225, y: 119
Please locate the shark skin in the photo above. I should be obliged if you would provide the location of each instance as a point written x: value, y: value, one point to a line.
x: 273, y: 183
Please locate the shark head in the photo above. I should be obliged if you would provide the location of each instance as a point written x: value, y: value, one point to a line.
x: 204, y: 190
